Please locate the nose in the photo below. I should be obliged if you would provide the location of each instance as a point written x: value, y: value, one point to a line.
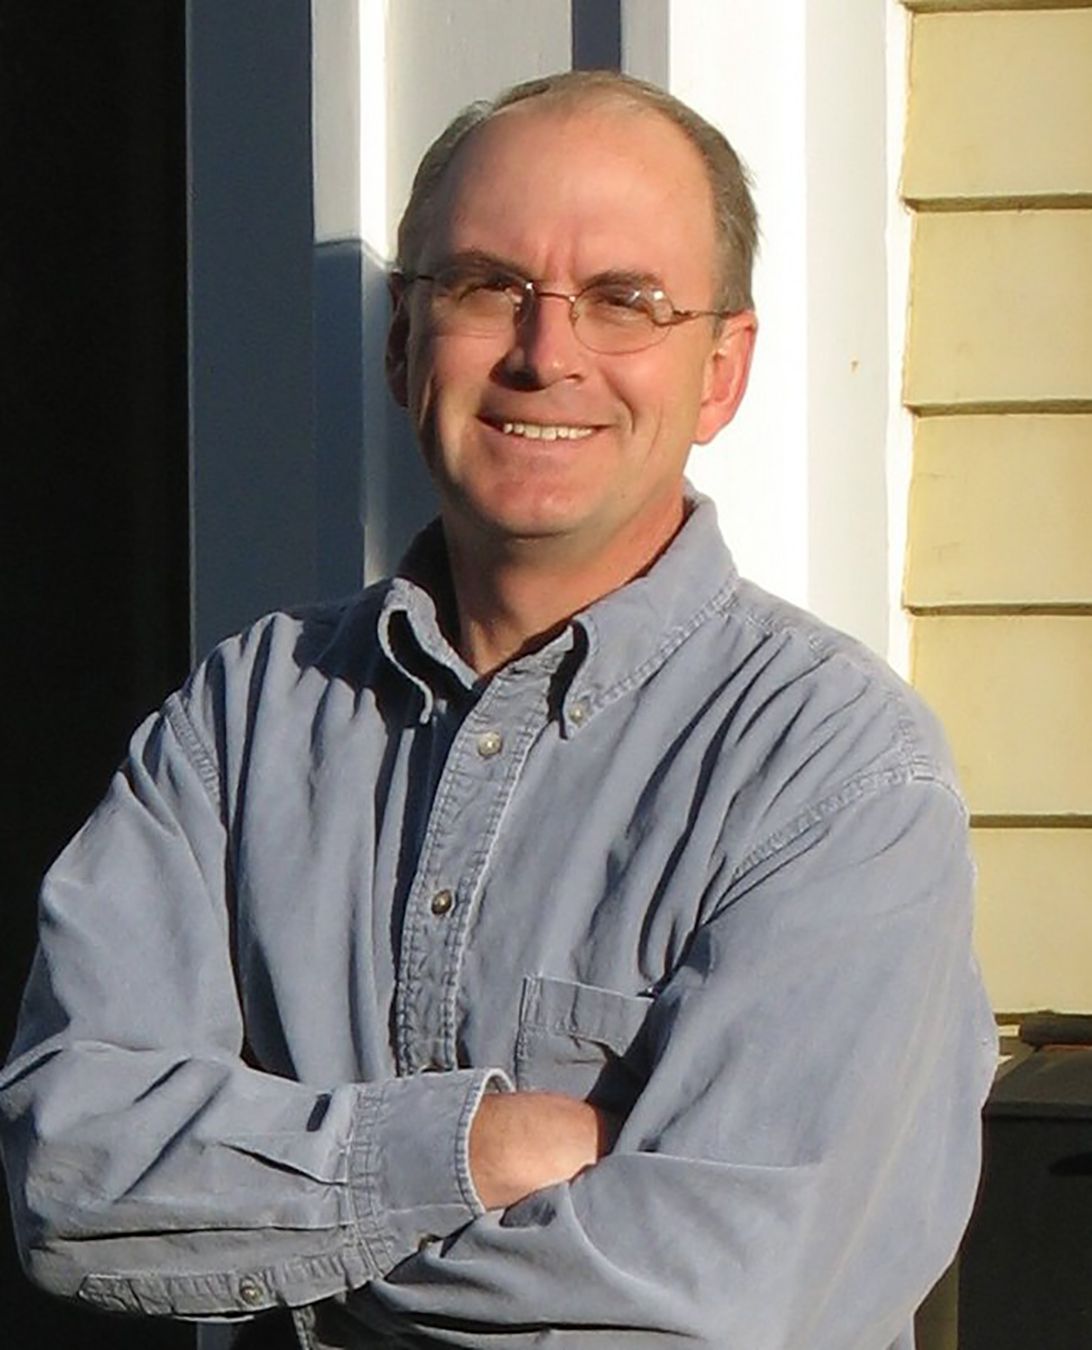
x: 545, y: 349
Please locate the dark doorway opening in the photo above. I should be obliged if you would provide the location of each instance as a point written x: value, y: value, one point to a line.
x: 95, y: 458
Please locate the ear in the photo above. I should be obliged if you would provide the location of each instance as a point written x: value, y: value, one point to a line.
x: 727, y: 368
x: 396, y: 361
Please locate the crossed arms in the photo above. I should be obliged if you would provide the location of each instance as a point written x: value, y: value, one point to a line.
x: 795, y: 1170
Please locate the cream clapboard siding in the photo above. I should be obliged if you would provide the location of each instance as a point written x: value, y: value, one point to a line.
x: 998, y: 169
x: 969, y: 6
x: 1002, y: 512
x: 1013, y: 693
x: 1000, y: 307
x: 979, y: 127
x: 1047, y: 871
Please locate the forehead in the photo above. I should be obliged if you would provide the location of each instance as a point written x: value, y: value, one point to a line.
x: 568, y: 191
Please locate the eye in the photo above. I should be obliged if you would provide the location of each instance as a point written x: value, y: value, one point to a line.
x: 500, y: 281
x: 620, y: 304
x: 479, y: 286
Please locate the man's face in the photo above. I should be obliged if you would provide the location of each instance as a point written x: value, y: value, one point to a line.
x: 565, y: 196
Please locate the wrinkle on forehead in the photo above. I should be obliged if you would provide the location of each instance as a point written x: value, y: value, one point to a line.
x: 662, y: 164
x: 566, y: 110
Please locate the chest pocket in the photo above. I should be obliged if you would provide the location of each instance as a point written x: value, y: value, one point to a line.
x: 581, y: 1040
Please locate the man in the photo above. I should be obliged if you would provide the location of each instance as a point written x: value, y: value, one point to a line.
x: 564, y: 942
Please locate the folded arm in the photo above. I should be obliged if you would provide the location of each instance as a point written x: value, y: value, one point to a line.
x: 801, y: 1162
x: 150, y: 1167
x: 796, y: 1170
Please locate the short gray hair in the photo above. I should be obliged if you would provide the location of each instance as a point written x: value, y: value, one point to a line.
x: 735, y: 218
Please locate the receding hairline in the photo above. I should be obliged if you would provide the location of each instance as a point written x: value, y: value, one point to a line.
x: 566, y: 104
x: 576, y: 92
x: 574, y: 98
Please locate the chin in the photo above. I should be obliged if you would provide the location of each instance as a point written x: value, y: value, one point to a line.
x: 528, y: 526
x: 524, y: 514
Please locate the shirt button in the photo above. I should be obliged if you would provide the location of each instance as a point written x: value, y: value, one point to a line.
x: 578, y: 712
x: 490, y: 743
x: 250, y: 1291
x: 442, y: 902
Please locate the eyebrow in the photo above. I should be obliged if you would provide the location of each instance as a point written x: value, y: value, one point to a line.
x: 612, y: 276
x: 620, y: 276
x: 475, y: 257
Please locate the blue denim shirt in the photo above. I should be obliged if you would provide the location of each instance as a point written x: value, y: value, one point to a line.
x: 699, y: 859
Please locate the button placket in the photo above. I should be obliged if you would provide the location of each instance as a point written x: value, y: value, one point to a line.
x: 482, y: 768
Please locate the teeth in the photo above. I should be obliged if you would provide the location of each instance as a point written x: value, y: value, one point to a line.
x: 536, y: 431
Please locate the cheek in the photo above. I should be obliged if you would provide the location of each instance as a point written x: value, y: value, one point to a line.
x: 445, y: 375
x: 660, y: 392
x: 425, y: 380
x: 684, y: 388
x: 418, y: 367
x: 635, y: 381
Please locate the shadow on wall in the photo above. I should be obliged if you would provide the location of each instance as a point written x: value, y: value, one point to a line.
x: 368, y: 466
x: 338, y: 421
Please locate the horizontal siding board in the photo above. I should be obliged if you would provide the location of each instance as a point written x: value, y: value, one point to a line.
x: 971, y: 134
x: 1033, y: 918
x: 1015, y: 696
x: 1000, y: 510
x: 1000, y: 309
x: 967, y: 6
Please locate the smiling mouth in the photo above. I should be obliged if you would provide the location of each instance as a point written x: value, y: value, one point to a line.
x: 546, y: 431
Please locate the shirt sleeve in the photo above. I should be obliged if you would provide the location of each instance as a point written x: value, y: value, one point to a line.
x: 150, y: 1168
x: 803, y: 1157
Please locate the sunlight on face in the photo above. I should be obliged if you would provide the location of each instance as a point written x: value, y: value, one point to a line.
x: 529, y: 434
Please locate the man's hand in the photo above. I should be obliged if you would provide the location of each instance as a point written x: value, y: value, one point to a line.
x: 522, y: 1141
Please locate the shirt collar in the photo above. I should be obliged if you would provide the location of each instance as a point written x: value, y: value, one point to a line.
x: 619, y: 640
x: 412, y: 617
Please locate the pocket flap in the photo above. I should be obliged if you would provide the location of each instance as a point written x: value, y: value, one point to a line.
x: 583, y: 1011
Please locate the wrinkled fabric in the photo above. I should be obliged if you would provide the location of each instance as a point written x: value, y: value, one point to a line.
x: 700, y: 860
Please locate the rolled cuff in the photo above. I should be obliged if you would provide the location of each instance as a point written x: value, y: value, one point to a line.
x: 409, y: 1160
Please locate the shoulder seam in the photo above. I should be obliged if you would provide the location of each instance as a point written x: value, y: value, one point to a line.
x: 892, y: 692
x: 850, y: 792
x: 195, y: 749
x: 721, y: 601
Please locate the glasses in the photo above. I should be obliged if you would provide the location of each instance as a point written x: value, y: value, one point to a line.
x: 609, y: 317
